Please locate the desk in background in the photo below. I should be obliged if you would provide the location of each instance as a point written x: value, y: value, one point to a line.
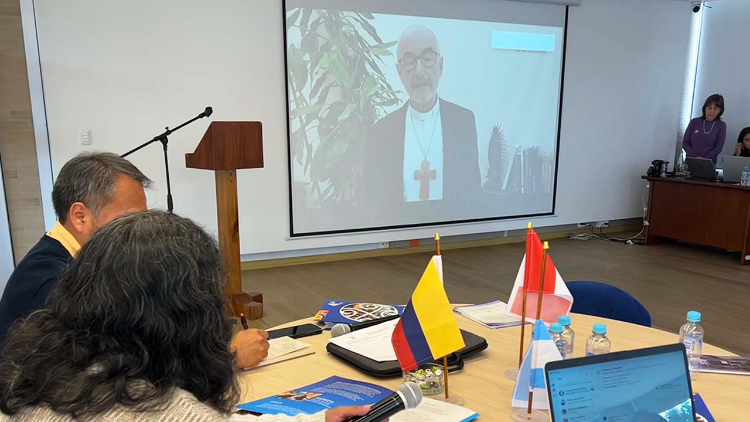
x: 706, y: 213
x: 481, y: 383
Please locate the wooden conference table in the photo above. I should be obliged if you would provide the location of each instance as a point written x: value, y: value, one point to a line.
x: 481, y: 383
x: 706, y: 213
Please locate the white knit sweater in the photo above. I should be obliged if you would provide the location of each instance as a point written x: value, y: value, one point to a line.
x: 183, y: 407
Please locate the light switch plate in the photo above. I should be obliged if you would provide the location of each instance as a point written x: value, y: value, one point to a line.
x: 84, y: 135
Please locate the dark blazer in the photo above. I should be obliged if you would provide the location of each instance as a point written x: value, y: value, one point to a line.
x: 32, y: 281
x: 382, y: 178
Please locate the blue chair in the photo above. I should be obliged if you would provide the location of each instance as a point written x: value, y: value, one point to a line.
x: 602, y: 300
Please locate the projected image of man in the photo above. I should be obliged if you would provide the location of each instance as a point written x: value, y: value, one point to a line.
x: 427, y: 149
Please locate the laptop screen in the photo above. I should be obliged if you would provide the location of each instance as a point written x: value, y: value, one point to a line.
x: 652, y: 388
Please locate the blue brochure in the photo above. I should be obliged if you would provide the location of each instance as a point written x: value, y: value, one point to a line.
x: 324, y: 395
x: 701, y: 408
x: 343, y: 312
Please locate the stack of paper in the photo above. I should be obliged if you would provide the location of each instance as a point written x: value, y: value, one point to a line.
x: 285, y: 348
x: 490, y: 314
x: 431, y: 410
x: 371, y: 342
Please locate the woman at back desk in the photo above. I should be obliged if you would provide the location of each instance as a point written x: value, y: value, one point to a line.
x: 705, y: 135
x: 742, y: 149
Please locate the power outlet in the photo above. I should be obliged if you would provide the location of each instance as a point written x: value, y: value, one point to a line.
x: 596, y: 224
x: 384, y: 245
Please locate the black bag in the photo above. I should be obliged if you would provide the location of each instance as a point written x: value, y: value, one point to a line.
x: 391, y: 369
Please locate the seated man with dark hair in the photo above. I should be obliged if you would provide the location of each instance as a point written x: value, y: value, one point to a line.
x: 91, y: 190
x: 134, y: 331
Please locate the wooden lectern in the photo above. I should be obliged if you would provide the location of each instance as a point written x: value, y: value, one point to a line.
x: 225, y: 148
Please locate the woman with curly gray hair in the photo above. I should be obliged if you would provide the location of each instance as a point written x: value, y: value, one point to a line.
x: 135, y: 330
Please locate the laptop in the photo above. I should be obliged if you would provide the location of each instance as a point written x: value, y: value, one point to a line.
x: 701, y: 168
x: 733, y: 167
x: 642, y: 385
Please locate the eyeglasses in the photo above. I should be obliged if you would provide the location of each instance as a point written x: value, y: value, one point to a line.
x: 409, y: 62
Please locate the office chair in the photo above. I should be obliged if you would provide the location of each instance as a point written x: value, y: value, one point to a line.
x: 602, y: 300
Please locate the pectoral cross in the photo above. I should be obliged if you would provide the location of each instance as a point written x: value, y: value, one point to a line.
x: 425, y: 175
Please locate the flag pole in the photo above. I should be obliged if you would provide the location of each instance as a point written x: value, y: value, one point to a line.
x: 445, y: 358
x: 541, y: 282
x: 539, y: 307
x: 523, y: 311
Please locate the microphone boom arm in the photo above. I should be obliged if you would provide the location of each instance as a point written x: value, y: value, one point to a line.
x: 163, y: 138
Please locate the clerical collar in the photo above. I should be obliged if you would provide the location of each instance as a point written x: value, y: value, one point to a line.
x: 428, y: 115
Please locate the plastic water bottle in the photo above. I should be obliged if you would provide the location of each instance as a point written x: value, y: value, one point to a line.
x: 691, y: 335
x: 598, y: 343
x: 745, y: 180
x: 556, y: 331
x: 568, y: 334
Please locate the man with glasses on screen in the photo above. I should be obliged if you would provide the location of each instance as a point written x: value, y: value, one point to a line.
x: 427, y: 149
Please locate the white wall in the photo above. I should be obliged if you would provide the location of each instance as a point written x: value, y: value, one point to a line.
x: 724, y: 64
x: 126, y: 69
x: 7, y: 263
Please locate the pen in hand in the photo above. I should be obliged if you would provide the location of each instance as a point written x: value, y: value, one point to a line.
x: 243, y: 320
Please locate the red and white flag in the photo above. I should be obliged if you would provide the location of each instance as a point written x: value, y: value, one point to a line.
x: 557, y: 298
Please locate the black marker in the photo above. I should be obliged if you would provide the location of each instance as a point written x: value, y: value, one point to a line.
x: 243, y: 321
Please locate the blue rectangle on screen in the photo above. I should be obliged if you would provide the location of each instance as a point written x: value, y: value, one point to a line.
x: 506, y: 40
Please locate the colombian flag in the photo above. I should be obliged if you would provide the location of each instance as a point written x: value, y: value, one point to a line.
x: 427, y: 330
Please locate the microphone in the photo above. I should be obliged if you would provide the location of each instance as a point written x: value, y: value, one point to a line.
x: 341, y: 329
x: 407, y: 396
x: 207, y: 112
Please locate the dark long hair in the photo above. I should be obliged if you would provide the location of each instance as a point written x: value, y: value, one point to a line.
x: 743, y: 133
x: 136, y: 315
x: 718, y: 101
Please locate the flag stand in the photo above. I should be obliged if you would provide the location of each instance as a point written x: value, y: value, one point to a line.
x: 457, y: 400
x: 530, y: 414
x: 428, y: 332
x: 512, y: 374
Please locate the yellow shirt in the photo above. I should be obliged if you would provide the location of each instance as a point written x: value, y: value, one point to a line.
x: 62, y: 235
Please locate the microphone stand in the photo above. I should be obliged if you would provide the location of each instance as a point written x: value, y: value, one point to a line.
x: 163, y: 138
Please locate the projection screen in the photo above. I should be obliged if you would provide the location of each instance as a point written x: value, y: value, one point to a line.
x: 421, y: 112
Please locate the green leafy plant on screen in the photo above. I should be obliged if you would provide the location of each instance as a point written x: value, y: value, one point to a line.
x: 338, y: 91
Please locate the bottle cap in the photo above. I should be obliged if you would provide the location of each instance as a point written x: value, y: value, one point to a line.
x: 563, y: 320
x: 555, y: 328
x: 694, y: 316
x: 600, y: 329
